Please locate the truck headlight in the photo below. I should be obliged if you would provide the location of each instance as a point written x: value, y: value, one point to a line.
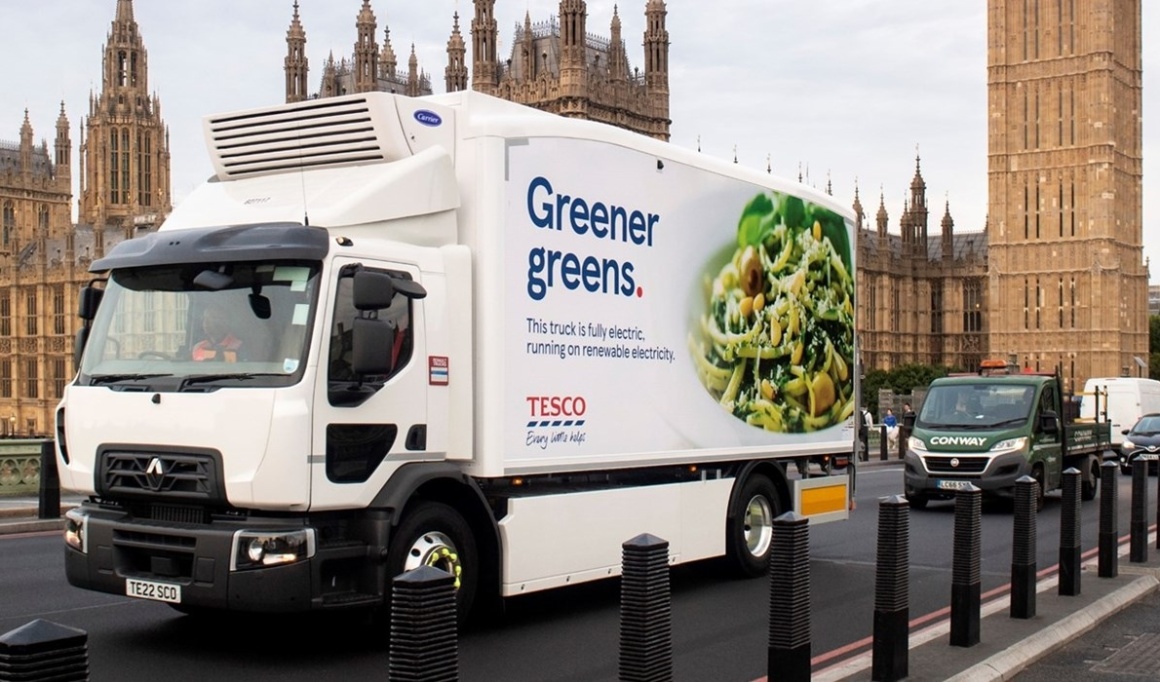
x: 75, y: 527
x: 1010, y: 445
x: 915, y: 444
x: 1128, y: 445
x: 260, y: 549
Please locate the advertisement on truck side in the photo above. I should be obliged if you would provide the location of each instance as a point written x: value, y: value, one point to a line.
x: 661, y: 307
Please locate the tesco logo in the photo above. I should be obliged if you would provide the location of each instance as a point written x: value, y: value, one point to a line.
x: 556, y: 406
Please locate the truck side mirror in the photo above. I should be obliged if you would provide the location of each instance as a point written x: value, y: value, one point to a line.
x: 1049, y: 422
x: 375, y: 290
x: 89, y: 301
x: 371, y: 341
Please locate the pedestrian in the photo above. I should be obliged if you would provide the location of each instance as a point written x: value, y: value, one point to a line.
x: 891, y: 424
x: 865, y: 423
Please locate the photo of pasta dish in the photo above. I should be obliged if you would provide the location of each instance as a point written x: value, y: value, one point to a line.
x: 775, y: 343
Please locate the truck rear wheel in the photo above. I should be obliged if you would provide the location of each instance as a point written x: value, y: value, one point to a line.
x: 749, y: 536
x: 435, y: 534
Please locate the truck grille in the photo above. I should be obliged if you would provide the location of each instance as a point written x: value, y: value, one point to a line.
x: 949, y: 464
x: 188, y: 477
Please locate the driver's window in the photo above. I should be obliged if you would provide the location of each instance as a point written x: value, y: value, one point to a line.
x: 341, y: 335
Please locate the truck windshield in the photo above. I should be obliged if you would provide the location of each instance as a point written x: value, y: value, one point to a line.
x: 202, y: 325
x: 976, y: 406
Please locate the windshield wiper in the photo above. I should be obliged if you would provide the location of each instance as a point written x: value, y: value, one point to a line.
x: 98, y: 379
x: 236, y: 376
x: 1005, y: 422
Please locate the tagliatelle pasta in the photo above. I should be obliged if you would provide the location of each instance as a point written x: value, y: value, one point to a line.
x: 775, y: 345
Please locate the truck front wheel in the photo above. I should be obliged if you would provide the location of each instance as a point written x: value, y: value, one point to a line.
x: 1091, y: 482
x: 1040, y: 494
x: 435, y: 534
x: 750, y: 527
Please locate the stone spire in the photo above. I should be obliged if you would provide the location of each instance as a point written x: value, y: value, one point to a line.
x: 455, y: 77
x: 617, y: 58
x: 484, y: 36
x: 388, y: 63
x: 859, y: 214
x: 366, y: 53
x: 948, y: 235
x: 573, y: 49
x: 656, y: 60
x: 882, y: 219
x: 297, y: 67
x: 63, y: 157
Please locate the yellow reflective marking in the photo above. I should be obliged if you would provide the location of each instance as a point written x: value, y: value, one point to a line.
x: 830, y: 498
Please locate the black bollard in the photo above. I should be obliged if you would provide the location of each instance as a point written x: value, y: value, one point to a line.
x: 1108, y: 541
x: 892, y: 592
x: 424, y: 634
x: 789, y: 599
x: 1023, y: 563
x: 49, y: 482
x: 42, y: 650
x: 1138, y: 523
x: 646, y: 613
x: 1070, y: 552
x: 966, y: 576
x: 883, y: 445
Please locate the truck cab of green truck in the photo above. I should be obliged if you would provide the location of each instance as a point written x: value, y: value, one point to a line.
x: 990, y: 429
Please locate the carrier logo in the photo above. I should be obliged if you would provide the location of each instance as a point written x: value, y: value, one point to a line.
x: 976, y: 441
x: 428, y: 118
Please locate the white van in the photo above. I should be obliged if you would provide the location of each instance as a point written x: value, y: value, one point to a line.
x: 1122, y: 401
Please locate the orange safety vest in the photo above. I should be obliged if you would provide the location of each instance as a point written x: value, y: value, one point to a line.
x: 208, y: 350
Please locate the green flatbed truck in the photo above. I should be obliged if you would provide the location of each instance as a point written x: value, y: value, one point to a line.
x: 991, y: 428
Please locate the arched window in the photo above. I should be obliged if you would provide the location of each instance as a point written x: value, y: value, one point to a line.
x: 9, y: 222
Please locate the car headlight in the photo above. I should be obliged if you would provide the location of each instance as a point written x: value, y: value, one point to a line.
x: 261, y: 549
x: 1009, y: 445
x: 1128, y: 445
x: 915, y: 444
x: 75, y: 527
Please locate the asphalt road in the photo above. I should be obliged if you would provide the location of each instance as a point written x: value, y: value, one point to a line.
x: 719, y: 625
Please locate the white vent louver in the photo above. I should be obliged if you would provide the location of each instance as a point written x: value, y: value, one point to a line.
x: 322, y: 133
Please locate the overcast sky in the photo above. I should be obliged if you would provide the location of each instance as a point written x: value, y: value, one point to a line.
x: 842, y: 90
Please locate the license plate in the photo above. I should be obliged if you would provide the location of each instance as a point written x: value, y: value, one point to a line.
x: 953, y: 485
x: 147, y: 589
x: 1146, y: 456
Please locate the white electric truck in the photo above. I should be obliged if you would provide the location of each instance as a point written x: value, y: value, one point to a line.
x: 461, y: 333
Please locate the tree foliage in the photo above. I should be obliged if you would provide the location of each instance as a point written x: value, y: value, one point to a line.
x: 1154, y: 346
x: 900, y: 380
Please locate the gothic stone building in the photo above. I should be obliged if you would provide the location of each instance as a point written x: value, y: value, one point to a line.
x: 554, y: 65
x: 124, y: 180
x: 1065, y: 281
x: 921, y: 296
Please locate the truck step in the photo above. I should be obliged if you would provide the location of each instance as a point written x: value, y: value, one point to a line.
x: 349, y: 600
x: 342, y: 549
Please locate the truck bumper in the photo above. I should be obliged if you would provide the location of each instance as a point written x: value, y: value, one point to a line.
x: 195, y: 557
x: 996, y: 480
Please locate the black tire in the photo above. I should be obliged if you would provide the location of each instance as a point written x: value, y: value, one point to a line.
x: 1090, y: 484
x: 749, y: 532
x: 917, y: 501
x: 435, y: 534
x: 1040, y: 495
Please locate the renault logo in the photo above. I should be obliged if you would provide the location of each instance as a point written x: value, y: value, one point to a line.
x: 155, y: 474
x: 954, y: 461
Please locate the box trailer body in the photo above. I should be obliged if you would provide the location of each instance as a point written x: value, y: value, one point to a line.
x: 472, y: 335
